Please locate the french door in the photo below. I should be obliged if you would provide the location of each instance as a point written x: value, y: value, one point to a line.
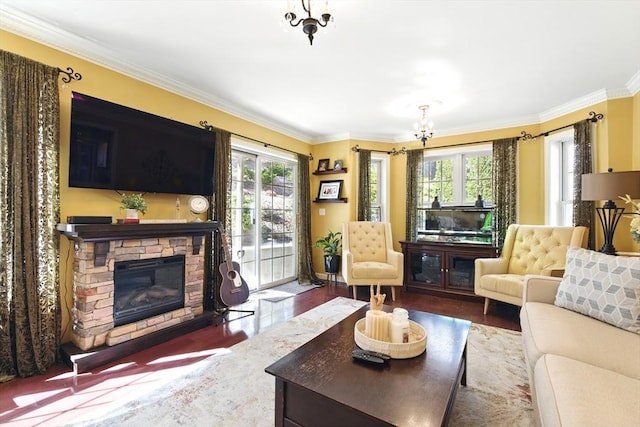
x: 263, y: 207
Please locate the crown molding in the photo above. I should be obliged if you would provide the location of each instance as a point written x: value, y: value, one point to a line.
x: 51, y: 36
x: 634, y: 84
x: 46, y: 34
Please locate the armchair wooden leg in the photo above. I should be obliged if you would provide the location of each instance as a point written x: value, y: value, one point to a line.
x: 355, y: 292
x: 486, y: 305
x: 393, y: 293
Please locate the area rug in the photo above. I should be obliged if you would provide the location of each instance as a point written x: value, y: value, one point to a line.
x: 232, y: 389
x: 281, y: 292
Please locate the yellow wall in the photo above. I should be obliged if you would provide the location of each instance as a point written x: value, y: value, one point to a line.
x: 618, y: 146
x: 106, y: 84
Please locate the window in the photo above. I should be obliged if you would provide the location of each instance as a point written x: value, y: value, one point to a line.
x: 262, y: 205
x: 559, y: 178
x: 457, y: 177
x: 378, y: 188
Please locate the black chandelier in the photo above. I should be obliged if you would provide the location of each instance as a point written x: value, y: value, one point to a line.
x: 424, y: 129
x: 309, y: 24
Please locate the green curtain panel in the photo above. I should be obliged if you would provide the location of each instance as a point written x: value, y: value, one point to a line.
x: 364, y: 185
x: 305, y: 264
x: 582, y: 163
x: 505, y: 189
x: 30, y: 209
x: 218, y: 212
x: 414, y: 194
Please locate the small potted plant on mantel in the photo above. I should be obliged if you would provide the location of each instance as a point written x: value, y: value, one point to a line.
x: 132, y: 204
x: 331, y: 245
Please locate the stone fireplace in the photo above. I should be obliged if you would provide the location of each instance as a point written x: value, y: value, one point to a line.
x: 99, y: 249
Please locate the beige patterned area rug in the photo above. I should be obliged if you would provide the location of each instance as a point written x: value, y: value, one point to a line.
x: 230, y: 388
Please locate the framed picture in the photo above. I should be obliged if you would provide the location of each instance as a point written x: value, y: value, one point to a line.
x: 323, y: 165
x: 330, y: 190
x: 337, y: 165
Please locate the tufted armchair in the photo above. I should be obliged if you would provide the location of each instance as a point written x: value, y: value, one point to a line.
x: 527, y: 249
x: 368, y: 256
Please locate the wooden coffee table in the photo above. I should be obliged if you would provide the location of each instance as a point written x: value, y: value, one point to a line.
x: 319, y: 384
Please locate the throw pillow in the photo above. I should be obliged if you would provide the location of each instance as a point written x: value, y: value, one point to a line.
x: 604, y: 287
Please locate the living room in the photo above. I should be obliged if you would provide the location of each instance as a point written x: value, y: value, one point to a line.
x: 617, y: 144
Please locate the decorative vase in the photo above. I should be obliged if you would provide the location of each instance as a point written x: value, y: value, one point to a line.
x: 131, y: 216
x: 331, y: 263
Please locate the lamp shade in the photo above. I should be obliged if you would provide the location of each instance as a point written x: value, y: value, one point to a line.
x: 610, y: 185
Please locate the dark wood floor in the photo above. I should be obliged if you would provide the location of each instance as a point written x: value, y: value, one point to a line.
x: 54, y: 390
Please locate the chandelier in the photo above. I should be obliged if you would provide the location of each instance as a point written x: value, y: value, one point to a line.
x: 309, y: 24
x: 424, y: 129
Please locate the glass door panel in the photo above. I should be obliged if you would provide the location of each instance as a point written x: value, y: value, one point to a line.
x: 461, y: 272
x: 426, y: 268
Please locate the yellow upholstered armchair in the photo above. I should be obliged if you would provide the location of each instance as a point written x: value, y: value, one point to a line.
x: 368, y: 256
x: 527, y: 249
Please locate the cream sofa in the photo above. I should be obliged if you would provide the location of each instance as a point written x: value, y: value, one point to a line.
x: 582, y: 371
x: 527, y: 249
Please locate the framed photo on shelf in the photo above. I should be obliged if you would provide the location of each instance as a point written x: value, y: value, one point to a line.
x: 337, y: 165
x: 330, y: 190
x: 323, y: 165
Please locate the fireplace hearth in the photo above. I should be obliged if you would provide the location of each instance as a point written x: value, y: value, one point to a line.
x: 145, y: 288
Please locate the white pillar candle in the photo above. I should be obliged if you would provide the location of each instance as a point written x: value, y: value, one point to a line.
x: 377, y: 325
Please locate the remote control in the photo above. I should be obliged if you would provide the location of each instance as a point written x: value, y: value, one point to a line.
x: 376, y: 354
x: 367, y: 358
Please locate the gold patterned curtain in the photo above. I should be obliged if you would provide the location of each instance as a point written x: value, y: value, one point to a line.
x: 30, y: 209
x: 505, y: 190
x: 218, y: 212
x: 415, y: 159
x: 582, y: 163
x: 364, y: 185
x: 305, y: 264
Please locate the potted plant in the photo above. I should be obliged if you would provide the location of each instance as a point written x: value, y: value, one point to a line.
x: 133, y: 203
x: 331, y: 245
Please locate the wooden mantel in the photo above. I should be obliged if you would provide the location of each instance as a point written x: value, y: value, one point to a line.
x: 102, y: 234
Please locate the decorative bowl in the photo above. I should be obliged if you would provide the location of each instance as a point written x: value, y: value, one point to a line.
x: 416, y: 346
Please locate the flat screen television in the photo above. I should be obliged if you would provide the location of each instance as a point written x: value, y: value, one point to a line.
x: 121, y: 148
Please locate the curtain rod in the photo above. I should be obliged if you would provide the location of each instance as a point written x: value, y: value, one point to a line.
x: 207, y: 126
x: 593, y: 118
x: 266, y: 144
x: 524, y: 136
x: 393, y: 151
x: 69, y: 75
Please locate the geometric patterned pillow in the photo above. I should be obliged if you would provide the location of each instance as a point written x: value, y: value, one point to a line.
x: 605, y: 287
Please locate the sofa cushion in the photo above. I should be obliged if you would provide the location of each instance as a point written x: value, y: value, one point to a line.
x: 507, y: 284
x: 373, y: 270
x: 604, y: 287
x: 547, y: 328
x: 573, y: 393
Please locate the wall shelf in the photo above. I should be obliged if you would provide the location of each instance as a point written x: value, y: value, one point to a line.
x: 330, y: 171
x: 340, y: 200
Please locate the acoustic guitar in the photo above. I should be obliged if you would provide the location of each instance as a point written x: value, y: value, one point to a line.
x: 233, y: 290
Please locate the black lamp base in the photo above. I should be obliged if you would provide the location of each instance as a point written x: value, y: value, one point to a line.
x: 609, y: 216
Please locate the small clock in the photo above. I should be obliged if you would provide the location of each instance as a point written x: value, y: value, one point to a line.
x: 198, y: 204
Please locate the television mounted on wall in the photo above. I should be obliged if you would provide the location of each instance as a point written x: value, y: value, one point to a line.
x: 124, y: 149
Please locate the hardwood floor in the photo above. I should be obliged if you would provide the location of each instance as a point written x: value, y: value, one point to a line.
x: 58, y: 397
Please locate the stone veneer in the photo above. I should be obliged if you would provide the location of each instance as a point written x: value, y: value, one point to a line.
x: 93, y: 288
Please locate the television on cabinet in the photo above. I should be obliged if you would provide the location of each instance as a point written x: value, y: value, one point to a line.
x: 121, y: 148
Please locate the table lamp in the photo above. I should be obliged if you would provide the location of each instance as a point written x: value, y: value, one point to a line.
x: 609, y: 186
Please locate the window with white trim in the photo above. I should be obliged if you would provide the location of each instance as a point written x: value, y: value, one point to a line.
x: 559, y: 178
x: 457, y: 177
x: 379, y: 188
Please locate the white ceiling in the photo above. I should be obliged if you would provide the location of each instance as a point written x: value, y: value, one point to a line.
x: 492, y: 64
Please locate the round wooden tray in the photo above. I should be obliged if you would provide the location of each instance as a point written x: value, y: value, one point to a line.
x: 416, y: 346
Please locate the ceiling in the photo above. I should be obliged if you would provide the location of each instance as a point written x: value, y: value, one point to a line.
x: 491, y: 64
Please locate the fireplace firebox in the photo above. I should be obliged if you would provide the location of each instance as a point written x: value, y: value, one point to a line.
x: 145, y: 288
